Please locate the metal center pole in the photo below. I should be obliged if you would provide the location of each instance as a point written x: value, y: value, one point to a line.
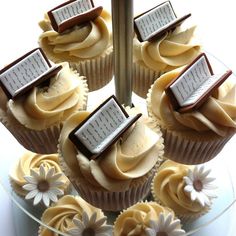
x: 122, y: 24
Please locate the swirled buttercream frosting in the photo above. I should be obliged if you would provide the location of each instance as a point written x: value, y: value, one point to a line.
x: 79, y: 43
x: 30, y: 160
x: 60, y: 216
x: 136, y: 219
x: 131, y: 157
x: 217, y: 115
x: 170, y: 51
x: 169, y: 188
x: 48, y: 105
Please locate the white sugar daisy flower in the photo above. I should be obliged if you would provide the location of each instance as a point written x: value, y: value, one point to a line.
x: 43, y: 185
x: 199, y: 185
x: 165, y: 226
x: 90, y: 226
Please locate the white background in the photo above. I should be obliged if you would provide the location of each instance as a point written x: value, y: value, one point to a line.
x: 216, y: 30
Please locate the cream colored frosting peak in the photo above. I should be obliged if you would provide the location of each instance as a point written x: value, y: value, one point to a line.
x: 217, y: 114
x: 79, y: 43
x: 136, y: 219
x: 45, y: 106
x: 128, y: 159
x: 61, y: 215
x: 30, y: 160
x: 168, y: 52
x: 168, y: 187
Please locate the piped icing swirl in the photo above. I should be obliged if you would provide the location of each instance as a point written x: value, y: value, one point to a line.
x: 79, y: 43
x: 168, y: 188
x: 217, y: 115
x: 128, y: 159
x: 136, y: 219
x: 30, y: 160
x: 60, y: 216
x: 172, y: 50
x: 49, y: 105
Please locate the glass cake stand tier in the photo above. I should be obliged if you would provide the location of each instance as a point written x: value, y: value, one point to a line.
x: 27, y: 217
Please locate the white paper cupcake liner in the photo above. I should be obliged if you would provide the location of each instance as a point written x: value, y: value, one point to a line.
x: 98, y: 71
x: 110, y: 201
x: 38, y: 141
x: 191, y: 152
x: 143, y: 78
x: 113, y: 201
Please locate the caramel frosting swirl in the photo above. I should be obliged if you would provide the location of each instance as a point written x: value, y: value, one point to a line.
x: 168, y: 187
x: 217, y: 114
x: 49, y: 105
x: 131, y: 157
x: 60, y: 216
x: 78, y: 43
x: 168, y: 52
x: 30, y: 160
x: 136, y: 219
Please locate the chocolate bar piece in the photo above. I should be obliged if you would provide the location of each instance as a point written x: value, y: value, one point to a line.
x: 155, y: 22
x: 194, y: 85
x: 102, y: 128
x: 71, y: 13
x: 26, y: 72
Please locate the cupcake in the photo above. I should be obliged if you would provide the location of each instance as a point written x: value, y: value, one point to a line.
x: 87, y: 48
x: 119, y: 177
x: 38, y: 178
x: 187, y: 190
x: 147, y: 219
x: 73, y: 216
x: 198, y: 136
x: 151, y: 59
x: 35, y: 118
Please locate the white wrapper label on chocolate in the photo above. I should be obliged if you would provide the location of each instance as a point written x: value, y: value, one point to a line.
x: 22, y: 74
x: 196, y: 82
x: 72, y: 13
x: 156, y: 21
x: 71, y: 10
x: 102, y: 128
x: 190, y: 84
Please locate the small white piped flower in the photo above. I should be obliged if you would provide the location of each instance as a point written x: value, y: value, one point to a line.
x: 43, y: 185
x: 165, y: 226
x: 90, y: 226
x: 199, y: 185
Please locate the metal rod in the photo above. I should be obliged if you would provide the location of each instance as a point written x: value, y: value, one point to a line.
x: 122, y: 24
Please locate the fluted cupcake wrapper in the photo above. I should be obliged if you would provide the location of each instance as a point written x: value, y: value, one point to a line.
x: 143, y: 78
x: 38, y: 141
x: 113, y: 201
x: 98, y: 71
x: 106, y: 200
x: 191, y: 152
x: 188, y: 150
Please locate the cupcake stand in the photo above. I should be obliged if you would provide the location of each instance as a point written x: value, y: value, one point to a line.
x: 220, y: 219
